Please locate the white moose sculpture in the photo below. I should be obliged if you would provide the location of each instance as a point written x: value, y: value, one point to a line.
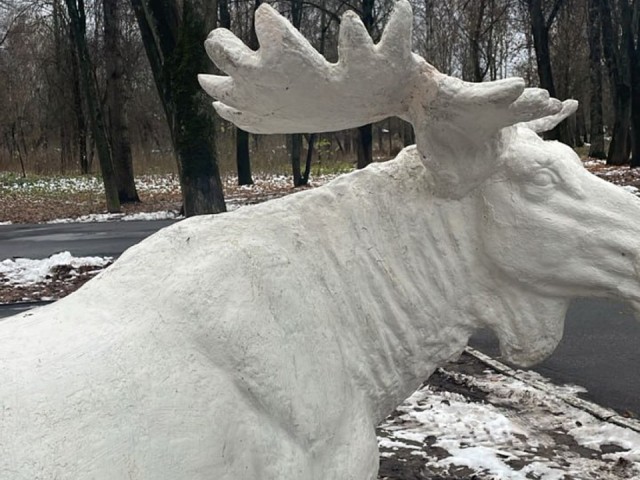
x: 267, y: 344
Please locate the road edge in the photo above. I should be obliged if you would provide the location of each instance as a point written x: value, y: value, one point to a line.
x: 602, y: 413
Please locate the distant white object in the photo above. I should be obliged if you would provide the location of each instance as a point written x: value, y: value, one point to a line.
x: 268, y: 343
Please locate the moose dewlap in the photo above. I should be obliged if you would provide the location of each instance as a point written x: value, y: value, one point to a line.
x: 266, y: 344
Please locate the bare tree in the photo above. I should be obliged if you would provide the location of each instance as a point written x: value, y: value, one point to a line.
x: 365, y: 132
x: 173, y: 32
x: 295, y: 140
x: 631, y: 14
x: 541, y: 23
x: 596, y: 135
x: 81, y: 131
x: 614, y: 43
x: 78, y: 24
x: 116, y: 107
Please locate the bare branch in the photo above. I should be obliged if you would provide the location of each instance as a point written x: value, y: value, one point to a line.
x: 554, y: 13
x: 15, y: 18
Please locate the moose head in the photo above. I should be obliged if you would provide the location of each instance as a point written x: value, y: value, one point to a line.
x: 269, y: 342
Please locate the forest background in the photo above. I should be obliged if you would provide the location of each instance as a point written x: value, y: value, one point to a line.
x: 108, y: 87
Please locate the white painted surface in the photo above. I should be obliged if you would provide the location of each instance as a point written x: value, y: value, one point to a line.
x: 267, y: 343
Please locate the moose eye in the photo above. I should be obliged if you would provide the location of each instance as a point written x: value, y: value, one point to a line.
x: 540, y: 185
x: 544, y: 178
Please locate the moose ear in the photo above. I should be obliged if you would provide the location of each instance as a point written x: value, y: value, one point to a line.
x: 544, y: 124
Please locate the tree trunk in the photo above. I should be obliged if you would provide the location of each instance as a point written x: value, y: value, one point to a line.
x: 365, y: 142
x: 81, y: 124
x: 617, y: 60
x: 619, y: 147
x: 116, y: 105
x: 474, y: 41
x: 243, y: 157
x: 56, y: 89
x: 596, y: 132
x: 632, y: 20
x: 540, y: 30
x: 365, y: 132
x: 408, y: 136
x: 224, y: 15
x: 541, y: 45
x: 295, y: 140
x: 311, y: 141
x: 580, y: 128
x: 295, y: 151
x: 78, y: 24
x: 172, y: 33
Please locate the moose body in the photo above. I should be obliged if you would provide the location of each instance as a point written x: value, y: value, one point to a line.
x: 267, y: 343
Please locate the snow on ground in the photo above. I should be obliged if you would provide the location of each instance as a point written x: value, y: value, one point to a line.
x: 27, y: 271
x: 509, y: 429
x: 161, y: 194
x: 157, y: 183
x: 53, y: 184
x: 150, y: 187
x: 628, y: 178
x: 29, y: 280
x: 114, y: 217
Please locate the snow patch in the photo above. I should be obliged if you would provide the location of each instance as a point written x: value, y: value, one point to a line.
x: 27, y: 271
x: 114, y: 217
x: 504, y: 436
x: 631, y: 189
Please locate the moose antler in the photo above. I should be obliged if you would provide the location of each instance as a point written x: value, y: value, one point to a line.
x: 546, y: 124
x: 288, y: 87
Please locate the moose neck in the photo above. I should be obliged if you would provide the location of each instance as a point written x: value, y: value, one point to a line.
x: 419, y: 268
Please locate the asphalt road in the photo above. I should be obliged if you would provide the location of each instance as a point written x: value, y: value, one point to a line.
x: 81, y: 239
x: 600, y: 349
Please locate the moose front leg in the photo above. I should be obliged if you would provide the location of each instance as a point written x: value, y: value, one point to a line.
x: 274, y: 452
x: 352, y: 453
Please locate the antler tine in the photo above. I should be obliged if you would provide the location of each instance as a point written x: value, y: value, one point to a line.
x: 228, y: 52
x: 544, y: 124
x: 397, y: 35
x: 500, y: 103
x: 276, y: 35
x: 499, y: 92
x: 534, y: 103
x: 354, y: 40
